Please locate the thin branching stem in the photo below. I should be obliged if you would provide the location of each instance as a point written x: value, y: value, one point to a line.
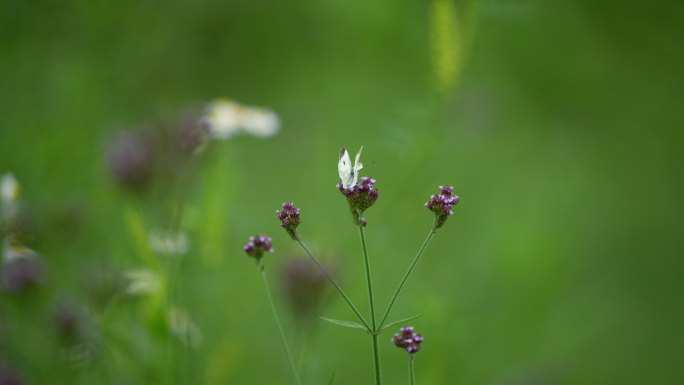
x: 332, y: 281
x: 431, y: 234
x: 376, y: 353
x: 280, y: 327
x: 412, y: 373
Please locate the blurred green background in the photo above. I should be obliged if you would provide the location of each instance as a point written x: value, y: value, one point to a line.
x: 559, y: 124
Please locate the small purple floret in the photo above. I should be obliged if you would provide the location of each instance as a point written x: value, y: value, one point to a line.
x: 289, y: 219
x: 442, y: 204
x: 258, y: 245
x: 360, y: 197
x: 408, y: 339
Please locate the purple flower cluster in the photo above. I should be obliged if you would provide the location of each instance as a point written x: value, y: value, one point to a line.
x: 408, y: 339
x: 442, y: 204
x: 21, y: 274
x: 131, y: 159
x: 8, y: 375
x: 257, y: 246
x: 360, y: 196
x: 70, y: 323
x: 305, y: 285
x: 289, y: 219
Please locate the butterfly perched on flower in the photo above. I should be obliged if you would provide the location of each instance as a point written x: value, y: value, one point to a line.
x: 349, y: 174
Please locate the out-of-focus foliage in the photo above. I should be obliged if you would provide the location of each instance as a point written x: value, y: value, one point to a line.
x: 558, y: 123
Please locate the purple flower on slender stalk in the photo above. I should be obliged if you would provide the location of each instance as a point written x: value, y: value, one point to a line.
x: 131, y: 159
x: 257, y: 246
x: 289, y: 219
x: 408, y: 339
x: 21, y: 274
x: 442, y: 204
x: 360, y: 197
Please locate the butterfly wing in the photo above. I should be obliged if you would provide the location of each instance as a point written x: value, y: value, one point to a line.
x: 357, y: 165
x: 344, y: 168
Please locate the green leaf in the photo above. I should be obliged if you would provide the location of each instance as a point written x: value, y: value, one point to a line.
x: 401, y: 321
x: 346, y: 324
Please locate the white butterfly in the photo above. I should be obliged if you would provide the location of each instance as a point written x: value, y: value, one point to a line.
x: 349, y: 174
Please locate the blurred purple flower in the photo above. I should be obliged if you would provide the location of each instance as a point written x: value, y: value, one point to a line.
x: 258, y: 245
x: 22, y: 269
x: 131, y: 160
x: 69, y: 323
x: 305, y: 285
x: 189, y: 135
x: 9, y: 376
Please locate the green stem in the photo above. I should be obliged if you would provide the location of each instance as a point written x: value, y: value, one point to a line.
x: 376, y: 353
x: 407, y: 274
x: 412, y: 373
x: 332, y: 281
x: 280, y: 327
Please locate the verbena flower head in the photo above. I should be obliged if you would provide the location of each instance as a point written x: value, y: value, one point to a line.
x: 408, y: 339
x: 442, y: 204
x: 289, y: 219
x: 257, y: 246
x: 360, y: 197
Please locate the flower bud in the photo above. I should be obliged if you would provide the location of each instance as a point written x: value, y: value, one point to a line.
x: 289, y: 219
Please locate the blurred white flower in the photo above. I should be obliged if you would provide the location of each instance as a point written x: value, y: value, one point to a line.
x: 9, y: 196
x: 142, y: 281
x: 169, y: 243
x: 183, y: 327
x: 12, y: 250
x: 260, y: 122
x: 10, y: 188
x: 224, y: 118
